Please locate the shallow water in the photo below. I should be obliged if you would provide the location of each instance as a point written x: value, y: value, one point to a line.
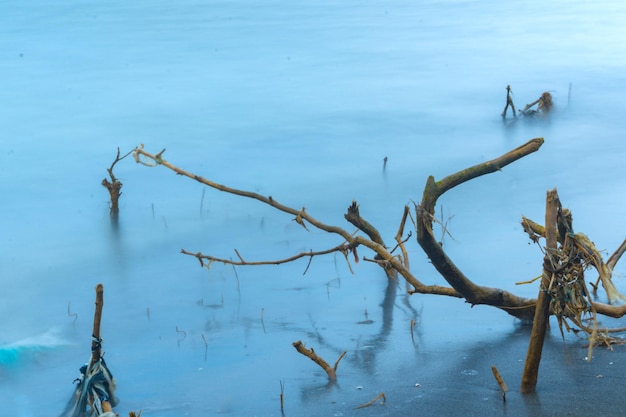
x: 301, y: 102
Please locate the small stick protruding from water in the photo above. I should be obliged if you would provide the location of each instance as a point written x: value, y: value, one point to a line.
x: 202, y: 201
x: 412, y: 326
x: 236, y: 277
x: 282, y: 395
x: 500, y: 381
x: 69, y: 313
x: 184, y: 334
x: 509, y: 102
x: 263, y: 322
x: 569, y: 94
x: 206, y: 347
x: 378, y: 397
x: 385, y: 164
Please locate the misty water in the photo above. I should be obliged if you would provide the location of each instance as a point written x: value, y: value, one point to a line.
x: 301, y: 101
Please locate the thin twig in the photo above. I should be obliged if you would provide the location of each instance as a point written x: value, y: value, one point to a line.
x: 208, y: 259
x: 206, y: 347
x: 282, y: 395
x: 262, y: 322
x: 70, y: 314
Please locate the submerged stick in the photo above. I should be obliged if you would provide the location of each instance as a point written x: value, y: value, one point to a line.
x: 542, y: 311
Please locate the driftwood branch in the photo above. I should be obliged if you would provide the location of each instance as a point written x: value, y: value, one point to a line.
x: 114, y: 186
x: 544, y: 106
x: 509, y: 103
x: 613, y: 259
x: 425, y: 211
x: 207, y: 260
x: 400, y: 242
x: 353, y: 241
x: 367, y: 236
x: 331, y: 371
x: 96, y: 342
x: 589, y: 251
x: 302, y: 215
x: 542, y: 312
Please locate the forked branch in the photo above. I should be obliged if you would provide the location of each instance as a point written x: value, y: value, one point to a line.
x: 114, y: 186
x: 207, y: 260
x: 373, y: 241
x: 425, y: 215
x: 331, y: 371
x: 393, y: 264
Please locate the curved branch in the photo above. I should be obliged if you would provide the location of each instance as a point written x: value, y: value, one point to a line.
x: 475, y: 294
x: 613, y: 259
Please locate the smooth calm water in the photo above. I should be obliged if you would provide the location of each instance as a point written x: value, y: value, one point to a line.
x: 301, y: 101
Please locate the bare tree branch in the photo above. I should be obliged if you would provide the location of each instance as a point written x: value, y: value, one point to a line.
x: 352, y: 241
x: 299, y: 214
x: 310, y: 353
x: 206, y: 260
x: 473, y: 293
x: 461, y: 286
x: 114, y: 186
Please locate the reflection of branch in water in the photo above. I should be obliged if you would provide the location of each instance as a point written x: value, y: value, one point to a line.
x: 316, y: 333
x: 388, y: 304
x: 365, y: 352
x: 415, y: 316
x: 206, y: 347
x: 413, y: 324
x: 335, y: 283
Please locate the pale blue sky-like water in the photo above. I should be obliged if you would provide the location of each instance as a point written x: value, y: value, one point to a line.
x: 301, y: 101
